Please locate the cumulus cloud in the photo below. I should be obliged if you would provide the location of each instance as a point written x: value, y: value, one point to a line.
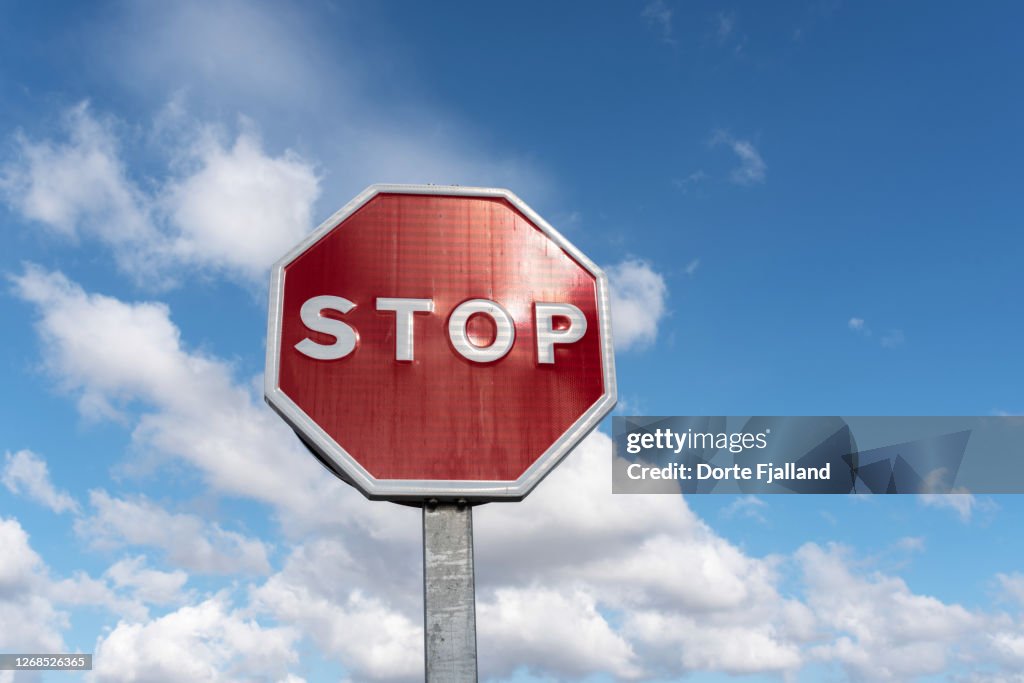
x: 240, y: 209
x: 26, y: 473
x: 203, y: 642
x: 624, y: 556
x: 560, y: 632
x: 752, y: 169
x: 683, y: 600
x: 878, y: 629
x: 83, y: 590
x: 188, y: 540
x: 232, y: 207
x: 187, y: 406
x: 217, y: 203
x: 206, y: 199
x: 149, y: 585
x: 562, y: 580
x: 106, y: 351
x: 638, y: 295
x: 29, y: 621
x: 207, y: 641
x: 568, y: 555
x: 33, y: 602
x: 363, y: 632
x: 79, y: 185
x: 614, y: 561
x: 609, y: 555
x: 685, y: 643
x: 360, y: 605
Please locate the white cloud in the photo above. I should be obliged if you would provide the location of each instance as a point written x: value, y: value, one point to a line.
x: 26, y: 473
x: 638, y: 295
x: 560, y: 632
x: 321, y: 591
x: 240, y: 210
x: 148, y: 585
x: 204, y: 642
x: 618, y: 557
x: 554, y: 555
x: 691, y: 644
x: 221, y: 202
x: 553, y: 572
x: 626, y: 555
x: 29, y: 621
x: 857, y: 325
x: 32, y: 600
x: 230, y: 208
x: 20, y: 564
x: 878, y: 629
x: 82, y: 590
x: 130, y: 355
x: 108, y: 351
x: 188, y: 540
x: 752, y: 169
x: 990, y: 677
x: 963, y: 504
x: 616, y: 560
x: 78, y: 186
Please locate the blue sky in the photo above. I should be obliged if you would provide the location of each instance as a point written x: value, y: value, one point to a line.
x: 804, y: 208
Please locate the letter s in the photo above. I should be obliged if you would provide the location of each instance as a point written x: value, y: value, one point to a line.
x: 313, y: 318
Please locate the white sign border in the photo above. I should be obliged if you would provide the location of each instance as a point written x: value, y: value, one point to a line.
x: 342, y: 464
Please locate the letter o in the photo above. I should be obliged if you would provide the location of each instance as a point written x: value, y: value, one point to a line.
x: 503, y: 339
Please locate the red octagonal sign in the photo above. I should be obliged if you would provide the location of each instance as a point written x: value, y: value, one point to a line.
x: 439, y: 342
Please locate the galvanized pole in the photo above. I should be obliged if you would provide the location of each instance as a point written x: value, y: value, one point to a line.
x: 449, y: 594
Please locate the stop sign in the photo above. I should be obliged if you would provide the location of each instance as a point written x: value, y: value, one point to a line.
x: 439, y: 342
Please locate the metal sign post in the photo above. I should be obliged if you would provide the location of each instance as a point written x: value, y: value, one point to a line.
x: 449, y: 600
